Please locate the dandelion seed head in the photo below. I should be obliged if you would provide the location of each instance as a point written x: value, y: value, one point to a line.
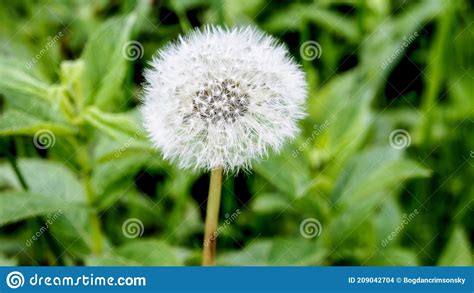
x: 222, y: 98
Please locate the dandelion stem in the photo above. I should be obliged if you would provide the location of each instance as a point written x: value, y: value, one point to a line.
x: 212, y: 218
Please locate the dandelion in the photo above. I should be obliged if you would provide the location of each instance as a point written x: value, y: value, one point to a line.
x: 219, y: 99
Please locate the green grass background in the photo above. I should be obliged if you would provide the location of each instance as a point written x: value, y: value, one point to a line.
x: 63, y: 70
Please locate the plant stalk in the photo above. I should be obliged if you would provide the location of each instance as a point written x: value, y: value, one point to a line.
x: 212, y: 218
x: 96, y: 231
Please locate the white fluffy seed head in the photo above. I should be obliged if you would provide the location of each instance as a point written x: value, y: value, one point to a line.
x: 222, y: 98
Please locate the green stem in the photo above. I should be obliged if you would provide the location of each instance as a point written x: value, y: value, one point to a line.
x: 212, y: 218
x: 96, y: 231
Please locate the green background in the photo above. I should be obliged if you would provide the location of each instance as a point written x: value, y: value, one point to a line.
x: 76, y: 166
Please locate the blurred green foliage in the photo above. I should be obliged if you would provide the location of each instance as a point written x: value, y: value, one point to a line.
x: 71, y: 137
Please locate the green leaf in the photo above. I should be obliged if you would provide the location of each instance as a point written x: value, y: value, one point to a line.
x: 254, y: 254
x: 19, y: 205
x: 14, y: 78
x: 115, y: 125
x: 124, y: 136
x: 462, y: 104
x: 277, y: 252
x: 336, y: 23
x: 138, y: 253
x: 105, y: 63
x: 354, y: 227
x: 390, y: 39
x: 236, y: 11
x: 73, y: 230
x: 49, y: 110
x: 287, y: 173
x: 344, y: 127
x: 291, y: 19
x: 270, y: 203
x: 297, y: 251
x: 394, y: 256
x: 15, y: 122
x: 373, y: 171
x: 52, y: 178
x: 110, y: 259
x: 366, y: 182
x: 108, y: 173
x: 51, y: 187
x: 114, y: 150
x: 387, y: 219
x: 458, y: 250
x: 295, y: 17
x: 5, y: 262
